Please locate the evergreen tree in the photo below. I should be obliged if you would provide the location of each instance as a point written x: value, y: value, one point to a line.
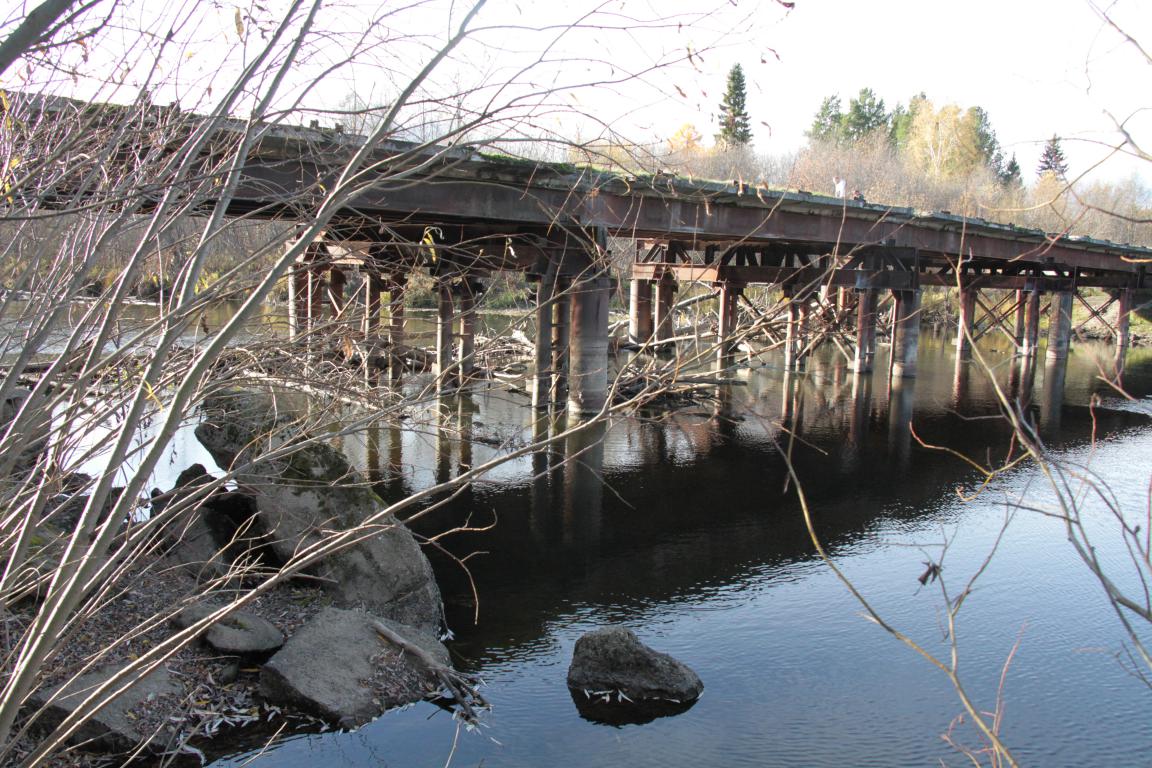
x: 866, y: 114
x: 1010, y: 175
x: 901, y: 120
x: 735, y: 124
x: 1052, y: 159
x: 828, y: 125
x: 986, y: 143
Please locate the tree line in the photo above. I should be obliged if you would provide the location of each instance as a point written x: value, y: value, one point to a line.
x: 923, y: 154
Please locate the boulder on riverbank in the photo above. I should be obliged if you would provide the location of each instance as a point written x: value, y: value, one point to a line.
x: 126, y: 722
x: 340, y: 668
x: 210, y: 534
x: 306, y: 492
x: 239, y: 633
x: 616, y: 678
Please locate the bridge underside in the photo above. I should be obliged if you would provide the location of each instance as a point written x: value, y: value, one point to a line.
x: 838, y: 264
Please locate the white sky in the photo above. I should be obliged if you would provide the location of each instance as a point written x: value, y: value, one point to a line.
x: 1038, y: 67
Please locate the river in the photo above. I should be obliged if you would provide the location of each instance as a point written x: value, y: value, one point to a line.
x: 687, y: 529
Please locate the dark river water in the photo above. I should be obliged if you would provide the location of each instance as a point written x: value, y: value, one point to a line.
x: 686, y: 528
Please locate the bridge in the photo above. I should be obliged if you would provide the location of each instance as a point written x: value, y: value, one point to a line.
x: 462, y: 215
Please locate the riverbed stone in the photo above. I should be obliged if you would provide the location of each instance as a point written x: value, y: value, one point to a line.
x: 311, y: 491
x: 339, y: 668
x: 239, y: 633
x: 123, y: 723
x: 613, y: 659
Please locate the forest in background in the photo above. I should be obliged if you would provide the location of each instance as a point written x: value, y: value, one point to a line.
x: 923, y: 155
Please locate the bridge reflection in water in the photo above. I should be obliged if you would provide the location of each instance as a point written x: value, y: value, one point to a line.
x: 643, y: 487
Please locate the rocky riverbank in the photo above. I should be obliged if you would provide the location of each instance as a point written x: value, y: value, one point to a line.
x: 304, y: 600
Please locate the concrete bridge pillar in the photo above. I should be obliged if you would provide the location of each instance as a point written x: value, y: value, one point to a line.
x: 1031, y: 321
x: 396, y: 285
x: 588, y: 346
x: 665, y: 306
x: 906, y: 333
x: 640, y: 311
x: 967, y: 316
x: 1060, y: 325
x: 865, y: 330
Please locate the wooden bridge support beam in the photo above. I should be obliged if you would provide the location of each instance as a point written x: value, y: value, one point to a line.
x: 396, y: 285
x: 1020, y: 312
x: 444, y: 318
x: 726, y: 327
x: 370, y: 322
x: 337, y: 280
x: 305, y: 292
x: 1031, y: 322
x: 588, y: 346
x: 640, y: 311
x: 901, y: 405
x: 967, y: 314
x: 1060, y: 325
x: 315, y: 291
x: 858, y: 423
x: 843, y: 299
x: 1052, y: 390
x: 442, y: 455
x: 545, y: 313
x: 297, y: 303
x: 865, y: 330
x: 1123, y: 320
x: 794, y: 340
x: 906, y: 333
x: 561, y: 340
x: 467, y: 346
x: 665, y: 306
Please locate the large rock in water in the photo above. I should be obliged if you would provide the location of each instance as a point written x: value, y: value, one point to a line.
x: 614, y: 660
x: 122, y: 724
x: 309, y: 487
x: 339, y: 668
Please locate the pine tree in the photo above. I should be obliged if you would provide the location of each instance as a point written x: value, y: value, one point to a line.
x: 901, y: 119
x: 828, y: 125
x: 1010, y: 176
x: 735, y: 124
x: 1052, y: 159
x: 866, y: 114
x: 986, y: 143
